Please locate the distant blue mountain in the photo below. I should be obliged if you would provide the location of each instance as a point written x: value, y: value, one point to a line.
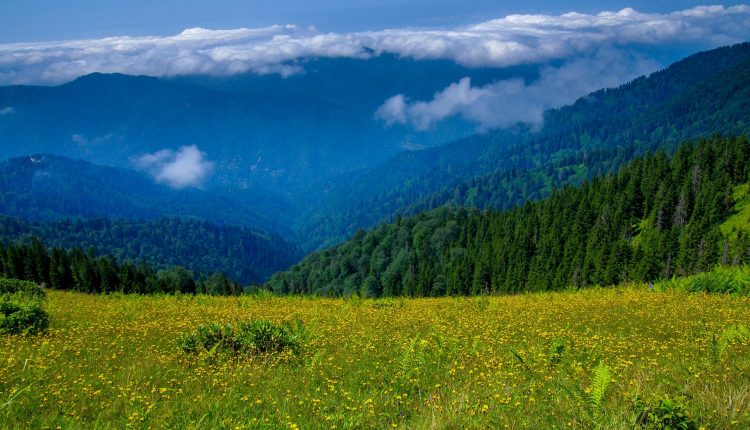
x: 50, y: 187
x: 287, y: 134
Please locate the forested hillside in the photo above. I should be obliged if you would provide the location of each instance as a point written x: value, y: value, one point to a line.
x: 658, y: 216
x: 704, y: 94
x: 701, y: 95
x: 246, y: 255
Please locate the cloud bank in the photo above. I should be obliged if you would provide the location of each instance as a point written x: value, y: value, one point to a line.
x: 515, y: 39
x: 186, y: 167
x: 7, y: 110
x: 505, y: 103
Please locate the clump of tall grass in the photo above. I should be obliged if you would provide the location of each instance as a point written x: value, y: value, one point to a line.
x: 259, y: 337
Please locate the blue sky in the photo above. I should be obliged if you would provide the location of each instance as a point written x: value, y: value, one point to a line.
x: 170, y: 38
x: 44, y: 20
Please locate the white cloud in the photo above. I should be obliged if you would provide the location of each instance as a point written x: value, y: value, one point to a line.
x: 394, y: 110
x: 7, y: 110
x: 186, y: 167
x: 515, y: 39
x: 505, y: 103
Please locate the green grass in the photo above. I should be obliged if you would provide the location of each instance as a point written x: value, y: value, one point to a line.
x: 595, y: 358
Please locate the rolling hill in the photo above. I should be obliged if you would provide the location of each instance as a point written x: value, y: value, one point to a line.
x: 704, y: 94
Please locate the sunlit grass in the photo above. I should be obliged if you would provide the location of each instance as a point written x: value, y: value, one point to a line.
x: 115, y: 362
x: 740, y: 219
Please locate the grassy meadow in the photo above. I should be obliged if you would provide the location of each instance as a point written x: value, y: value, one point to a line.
x: 600, y: 358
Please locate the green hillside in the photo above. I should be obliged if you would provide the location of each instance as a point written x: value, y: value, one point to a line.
x: 657, y: 217
x: 702, y: 95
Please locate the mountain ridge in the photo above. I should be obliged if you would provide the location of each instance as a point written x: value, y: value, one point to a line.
x: 645, y: 114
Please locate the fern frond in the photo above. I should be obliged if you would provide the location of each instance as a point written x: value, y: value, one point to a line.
x: 600, y: 381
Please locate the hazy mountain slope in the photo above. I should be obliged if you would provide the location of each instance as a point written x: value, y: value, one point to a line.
x: 717, y: 106
x: 361, y: 86
x: 113, y: 119
x: 47, y: 187
x: 289, y: 133
x: 703, y: 94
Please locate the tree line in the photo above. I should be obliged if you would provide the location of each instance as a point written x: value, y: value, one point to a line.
x: 244, y: 254
x: 79, y: 270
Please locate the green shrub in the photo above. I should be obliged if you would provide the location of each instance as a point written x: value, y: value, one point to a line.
x: 15, y: 286
x: 22, y: 316
x: 663, y: 413
x: 245, y: 339
x: 732, y: 280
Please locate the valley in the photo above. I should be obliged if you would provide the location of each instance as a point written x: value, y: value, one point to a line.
x: 532, y: 220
